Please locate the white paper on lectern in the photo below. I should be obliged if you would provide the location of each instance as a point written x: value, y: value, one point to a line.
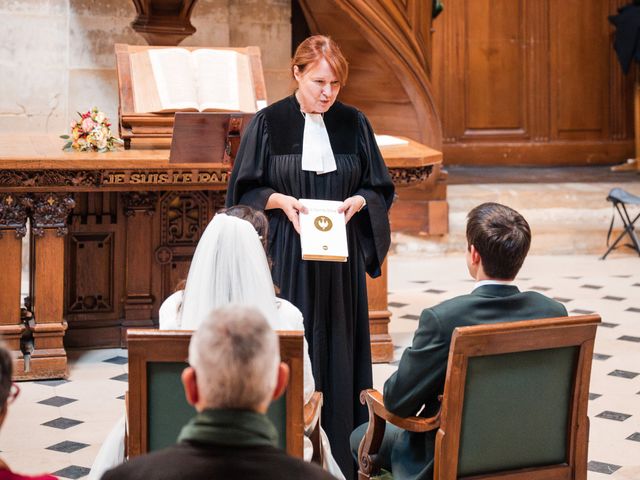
x: 323, y: 233
x: 389, y: 140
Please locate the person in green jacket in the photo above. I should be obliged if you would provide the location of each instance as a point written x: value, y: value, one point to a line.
x: 233, y: 375
x: 498, y: 240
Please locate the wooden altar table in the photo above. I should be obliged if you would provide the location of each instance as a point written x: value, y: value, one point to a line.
x: 112, y: 234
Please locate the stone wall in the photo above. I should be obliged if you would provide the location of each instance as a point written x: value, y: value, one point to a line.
x: 57, y: 56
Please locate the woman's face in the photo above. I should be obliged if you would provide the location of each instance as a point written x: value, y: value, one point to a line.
x: 318, y: 87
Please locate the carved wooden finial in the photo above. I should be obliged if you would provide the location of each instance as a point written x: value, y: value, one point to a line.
x: 164, y: 22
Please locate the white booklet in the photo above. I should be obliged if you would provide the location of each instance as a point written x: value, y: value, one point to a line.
x: 323, y: 232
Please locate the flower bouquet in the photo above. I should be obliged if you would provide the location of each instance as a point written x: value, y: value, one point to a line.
x: 91, y: 133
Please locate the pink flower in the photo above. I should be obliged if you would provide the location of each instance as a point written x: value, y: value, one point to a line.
x: 88, y: 124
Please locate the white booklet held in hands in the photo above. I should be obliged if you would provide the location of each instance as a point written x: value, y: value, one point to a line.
x: 323, y: 232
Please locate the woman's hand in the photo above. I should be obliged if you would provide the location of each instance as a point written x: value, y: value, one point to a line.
x: 351, y: 206
x: 289, y: 205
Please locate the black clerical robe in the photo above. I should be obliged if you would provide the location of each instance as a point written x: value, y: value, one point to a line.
x: 331, y: 296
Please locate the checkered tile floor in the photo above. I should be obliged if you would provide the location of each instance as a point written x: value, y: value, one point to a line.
x: 57, y: 426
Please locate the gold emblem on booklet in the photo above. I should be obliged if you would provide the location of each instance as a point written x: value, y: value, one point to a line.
x: 323, y: 232
x: 323, y: 223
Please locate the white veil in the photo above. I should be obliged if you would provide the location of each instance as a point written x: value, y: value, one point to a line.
x: 228, y: 266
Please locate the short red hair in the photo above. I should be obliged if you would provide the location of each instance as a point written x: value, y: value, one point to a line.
x: 316, y: 47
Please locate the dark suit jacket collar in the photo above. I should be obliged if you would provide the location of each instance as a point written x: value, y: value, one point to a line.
x: 496, y: 290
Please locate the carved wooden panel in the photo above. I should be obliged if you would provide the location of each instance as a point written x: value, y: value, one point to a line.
x: 183, y: 218
x: 579, y: 69
x: 495, y: 69
x: 90, y: 288
x: 531, y: 82
x: 94, y: 271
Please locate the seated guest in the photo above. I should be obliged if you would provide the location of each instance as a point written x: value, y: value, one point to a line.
x: 8, y: 393
x: 498, y: 240
x: 229, y: 266
x: 230, y: 437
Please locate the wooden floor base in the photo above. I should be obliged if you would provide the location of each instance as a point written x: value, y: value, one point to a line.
x: 43, y: 365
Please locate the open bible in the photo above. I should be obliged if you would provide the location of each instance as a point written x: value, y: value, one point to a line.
x: 156, y: 82
x: 203, y: 79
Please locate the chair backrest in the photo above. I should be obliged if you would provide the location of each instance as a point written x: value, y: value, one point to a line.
x: 157, y: 409
x: 515, y: 400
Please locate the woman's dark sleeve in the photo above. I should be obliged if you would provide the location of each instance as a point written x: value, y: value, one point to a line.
x: 377, y: 188
x: 246, y: 185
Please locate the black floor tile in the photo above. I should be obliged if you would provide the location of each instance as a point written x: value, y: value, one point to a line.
x: 435, y: 290
x: 634, y: 436
x: 611, y: 297
x: 397, y: 304
x: 623, y: 374
x: 562, y: 300
x: 592, y: 287
x: 601, y: 356
x: 593, y: 396
x: 411, y: 317
x: 62, y: 423
x: 542, y: 289
x: 57, y: 401
x: 617, y: 416
x: 67, y: 446
x: 73, y: 472
x: 51, y: 383
x: 600, y: 467
x: 629, y: 338
x: 633, y: 309
x: 608, y: 325
x: 119, y: 360
x: 121, y: 378
x: 579, y: 311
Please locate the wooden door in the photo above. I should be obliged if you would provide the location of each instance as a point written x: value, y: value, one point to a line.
x: 531, y: 82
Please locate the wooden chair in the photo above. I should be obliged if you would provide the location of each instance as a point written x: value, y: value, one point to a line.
x: 156, y: 404
x: 514, y: 404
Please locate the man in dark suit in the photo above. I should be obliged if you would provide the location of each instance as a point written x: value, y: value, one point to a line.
x: 498, y: 240
x: 234, y: 373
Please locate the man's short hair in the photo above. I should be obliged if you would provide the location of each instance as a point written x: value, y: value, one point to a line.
x: 6, y: 370
x: 502, y: 238
x: 235, y: 354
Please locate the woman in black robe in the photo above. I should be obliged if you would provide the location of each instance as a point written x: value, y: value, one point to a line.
x: 271, y: 174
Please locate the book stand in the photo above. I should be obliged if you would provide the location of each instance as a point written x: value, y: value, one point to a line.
x: 144, y: 130
x: 208, y: 137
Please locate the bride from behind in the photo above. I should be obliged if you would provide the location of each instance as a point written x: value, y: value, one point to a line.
x: 229, y: 266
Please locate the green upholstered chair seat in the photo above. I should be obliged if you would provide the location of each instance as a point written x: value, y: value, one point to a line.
x: 516, y: 410
x: 169, y: 411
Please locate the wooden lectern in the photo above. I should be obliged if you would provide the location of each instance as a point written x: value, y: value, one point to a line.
x: 154, y: 130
